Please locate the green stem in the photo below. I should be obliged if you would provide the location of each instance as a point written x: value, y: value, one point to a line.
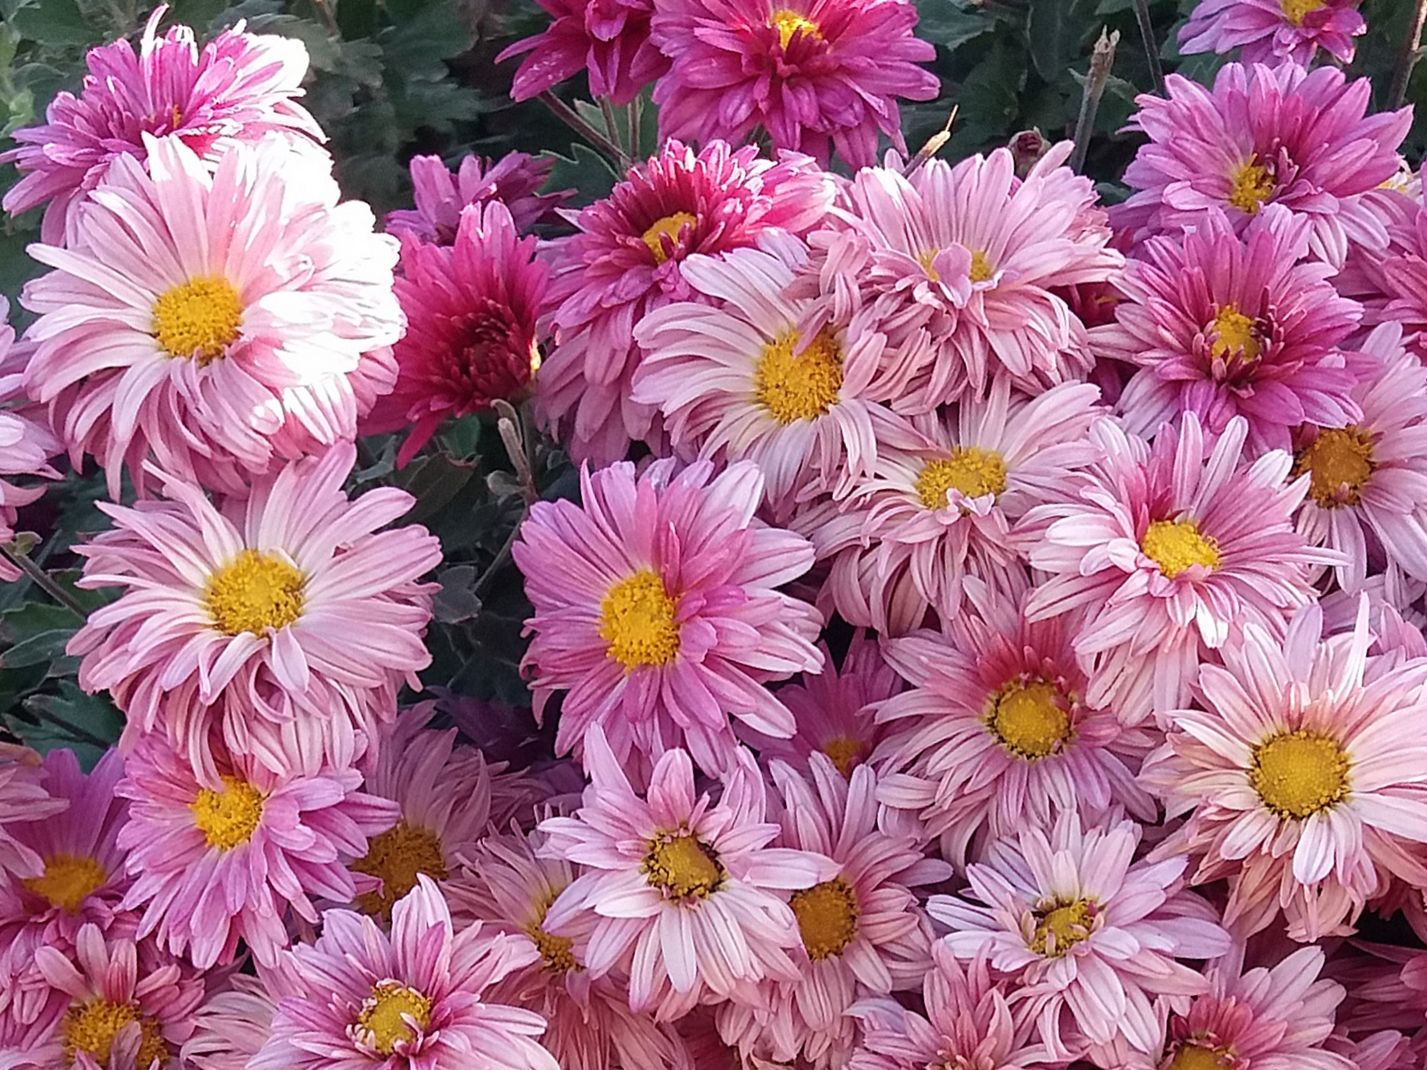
x: 40, y: 578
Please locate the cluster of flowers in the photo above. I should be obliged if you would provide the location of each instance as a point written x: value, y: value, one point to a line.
x: 1006, y: 652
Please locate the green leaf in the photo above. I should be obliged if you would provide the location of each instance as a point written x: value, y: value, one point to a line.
x: 944, y: 23
x: 86, y: 724
x: 55, y: 22
x: 1053, y: 32
x: 457, y: 600
x: 584, y: 170
x: 434, y: 480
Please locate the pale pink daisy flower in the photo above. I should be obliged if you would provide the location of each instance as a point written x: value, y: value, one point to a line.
x: 212, y: 322
x: 23, y: 800
x: 608, y: 39
x: 818, y: 75
x: 862, y: 931
x: 441, y: 195
x: 690, y: 898
x: 658, y: 609
x: 1302, y: 777
x: 1091, y: 938
x: 1224, y: 326
x: 1274, y: 31
x: 26, y: 441
x: 414, y: 999
x: 626, y: 259
x: 1163, y: 551
x: 239, y: 87
x: 285, y: 609
x: 233, y: 1024
x: 1260, y: 136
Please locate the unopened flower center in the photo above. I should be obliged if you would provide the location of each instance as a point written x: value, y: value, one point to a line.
x: 845, y: 753
x: 198, y: 318
x: 1192, y: 1056
x: 1030, y: 718
x: 68, y: 880
x: 637, y: 620
x: 383, y: 1020
x: 1299, y: 773
x: 228, y: 817
x: 397, y: 857
x: 1295, y: 11
x: 788, y: 23
x: 1175, y: 545
x: 1250, y: 184
x: 970, y: 469
x: 93, y: 1026
x: 668, y: 227
x: 1234, y: 337
x: 254, y: 592
x: 1339, y: 463
x: 682, y: 866
x: 1061, y: 926
x: 981, y: 268
x: 827, y: 916
x: 796, y: 386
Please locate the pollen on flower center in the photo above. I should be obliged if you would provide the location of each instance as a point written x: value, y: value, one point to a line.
x: 1295, y: 11
x: 637, y: 620
x: 670, y: 226
x: 254, y: 592
x: 798, y: 386
x: 788, y: 23
x: 970, y: 469
x: 1029, y: 718
x: 926, y: 259
x: 1175, y: 545
x: 198, y: 318
x: 827, y: 916
x: 397, y: 857
x: 981, y: 268
x: 92, y: 1028
x: 1061, y: 926
x: 1234, y: 337
x: 1297, y: 774
x: 844, y: 752
x: 1340, y: 463
x: 557, y: 953
x: 1197, y: 1057
x: 683, y: 866
x: 68, y: 880
x: 383, y: 1023
x: 228, y: 817
x: 1251, y: 183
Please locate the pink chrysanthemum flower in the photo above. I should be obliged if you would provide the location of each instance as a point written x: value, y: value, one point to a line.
x: 1274, y: 31
x: 285, y: 609
x: 1224, y: 326
x: 26, y: 441
x: 231, y: 1027
x: 1261, y: 136
x: 626, y: 259
x: 862, y: 931
x: 1301, y: 777
x: 23, y: 800
x: 957, y: 274
x: 213, y: 323
x: 1402, y: 272
x: 996, y: 734
x: 470, y: 339
x: 609, y: 39
x: 657, y: 608
x: 688, y: 896
x: 1090, y: 937
x: 1164, y: 550
x: 239, y: 87
x: 818, y: 75
x: 411, y: 1000
x: 441, y: 195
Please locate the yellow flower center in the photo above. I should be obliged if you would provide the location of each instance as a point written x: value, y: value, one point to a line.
x: 397, y: 857
x: 1295, y: 11
x: 637, y: 620
x: 1299, y: 773
x: 198, y: 318
x: 981, y: 268
x: 788, y: 23
x: 1339, y: 463
x: 228, y: 817
x: 683, y: 866
x: 925, y: 259
x: 970, y: 469
x: 1198, y: 1057
x: 1030, y: 719
x: 383, y: 1019
x: 1175, y: 545
x: 1061, y: 927
x: 668, y: 227
x: 798, y: 386
x: 1251, y: 183
x: 845, y: 753
x: 92, y: 1028
x: 254, y: 592
x: 827, y: 917
x: 556, y: 952
x: 1234, y: 335
x: 68, y: 880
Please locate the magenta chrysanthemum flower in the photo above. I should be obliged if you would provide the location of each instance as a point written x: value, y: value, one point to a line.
x: 690, y: 899
x: 411, y: 1000
x: 1261, y: 136
x: 863, y: 932
x: 239, y: 87
x: 470, y: 335
x: 1274, y: 31
x: 1302, y: 778
x: 1222, y: 327
x: 609, y: 39
x: 284, y: 611
x: 817, y: 75
x: 627, y: 259
x: 657, y: 608
x: 212, y: 323
x: 23, y: 799
x: 441, y: 195
x: 1090, y: 937
x: 1162, y: 551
